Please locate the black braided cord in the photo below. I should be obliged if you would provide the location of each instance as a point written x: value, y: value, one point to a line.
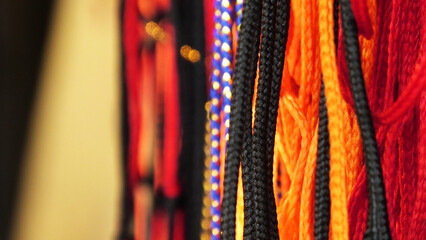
x: 377, y: 219
x: 281, y: 35
x: 322, y: 171
x: 246, y: 52
x: 246, y: 164
x: 259, y: 143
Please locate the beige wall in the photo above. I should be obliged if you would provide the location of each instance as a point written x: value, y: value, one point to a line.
x: 71, y: 183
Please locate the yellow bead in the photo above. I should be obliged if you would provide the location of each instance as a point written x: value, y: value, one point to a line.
x: 226, y: 62
x: 226, y: 77
x: 216, y: 86
x: 226, y: 30
x: 225, y: 16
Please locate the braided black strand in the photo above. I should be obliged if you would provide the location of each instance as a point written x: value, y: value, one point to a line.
x: 259, y: 143
x: 377, y: 219
x: 243, y: 68
x: 280, y: 42
x: 336, y: 22
x: 322, y: 171
x: 246, y: 164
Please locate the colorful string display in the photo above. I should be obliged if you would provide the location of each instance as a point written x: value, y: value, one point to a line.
x: 315, y: 119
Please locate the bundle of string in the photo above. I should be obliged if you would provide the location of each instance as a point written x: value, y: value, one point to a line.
x: 397, y: 117
x: 327, y: 128
x: 297, y: 125
x: 257, y: 175
x: 247, y: 49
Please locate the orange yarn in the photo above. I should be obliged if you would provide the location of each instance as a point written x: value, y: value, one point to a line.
x: 335, y: 107
x: 296, y: 140
x: 306, y: 228
x: 367, y: 45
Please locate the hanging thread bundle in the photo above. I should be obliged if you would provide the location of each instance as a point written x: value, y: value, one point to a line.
x: 314, y: 123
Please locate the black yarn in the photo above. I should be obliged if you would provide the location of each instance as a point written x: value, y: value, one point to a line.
x: 322, y: 171
x: 280, y: 42
x: 336, y: 22
x: 259, y: 144
x: 246, y: 163
x: 245, y: 71
x: 246, y: 166
x: 377, y: 219
x: 257, y: 148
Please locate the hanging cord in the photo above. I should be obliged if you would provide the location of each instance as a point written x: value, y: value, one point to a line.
x: 377, y: 220
x: 280, y: 42
x: 215, y: 93
x: 226, y: 52
x: 335, y: 106
x: 259, y: 144
x: 336, y: 22
x: 248, y: 46
x: 246, y: 164
x: 322, y: 178
x: 227, y: 21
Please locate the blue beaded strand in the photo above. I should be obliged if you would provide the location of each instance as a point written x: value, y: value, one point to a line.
x: 215, y: 94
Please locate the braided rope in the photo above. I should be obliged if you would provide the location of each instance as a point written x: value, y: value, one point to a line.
x: 280, y: 42
x: 322, y: 179
x: 244, y: 73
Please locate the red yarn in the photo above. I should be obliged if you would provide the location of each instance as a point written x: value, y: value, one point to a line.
x: 394, y: 96
x: 357, y: 208
x: 171, y: 147
x: 159, y: 225
x: 419, y: 214
x: 362, y: 18
x: 377, y: 90
x: 408, y: 98
x: 390, y: 166
x: 131, y: 40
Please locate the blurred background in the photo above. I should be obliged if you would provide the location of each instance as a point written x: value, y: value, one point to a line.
x: 59, y: 119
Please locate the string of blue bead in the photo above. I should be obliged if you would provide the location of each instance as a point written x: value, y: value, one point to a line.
x: 215, y: 95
